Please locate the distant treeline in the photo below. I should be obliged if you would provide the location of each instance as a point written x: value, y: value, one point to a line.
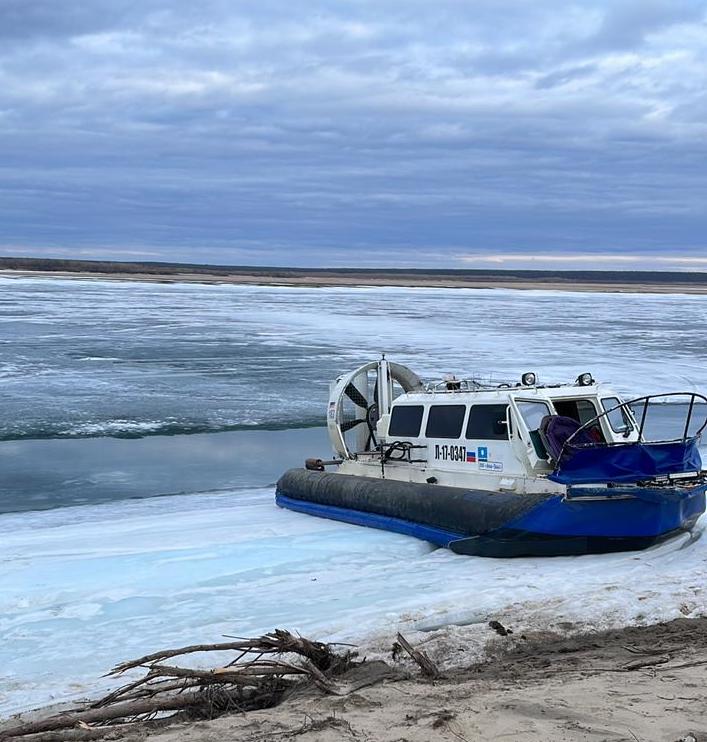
x: 175, y: 269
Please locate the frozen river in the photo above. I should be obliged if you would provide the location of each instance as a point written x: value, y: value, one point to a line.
x: 86, y: 587
x: 111, y: 547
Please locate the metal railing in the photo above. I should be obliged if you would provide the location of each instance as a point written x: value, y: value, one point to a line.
x: 455, y: 385
x: 627, y: 410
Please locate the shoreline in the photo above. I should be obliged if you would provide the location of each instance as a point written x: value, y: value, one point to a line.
x: 302, y: 279
x: 634, y: 683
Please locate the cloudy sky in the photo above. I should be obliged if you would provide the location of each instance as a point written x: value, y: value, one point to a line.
x: 456, y: 133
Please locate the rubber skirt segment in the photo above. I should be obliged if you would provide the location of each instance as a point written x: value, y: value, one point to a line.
x: 510, y: 543
x: 459, y: 512
x: 491, y: 524
x: 434, y: 535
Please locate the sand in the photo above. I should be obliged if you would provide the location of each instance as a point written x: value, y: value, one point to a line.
x: 638, y: 684
x: 542, y: 689
x: 404, y: 280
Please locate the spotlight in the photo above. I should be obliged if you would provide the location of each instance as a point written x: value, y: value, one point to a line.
x: 585, y: 379
x: 528, y: 379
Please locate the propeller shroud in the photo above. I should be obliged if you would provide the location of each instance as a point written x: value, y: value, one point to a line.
x: 358, y: 399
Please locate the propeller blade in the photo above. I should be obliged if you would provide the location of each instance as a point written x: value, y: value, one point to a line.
x: 355, y: 396
x: 350, y: 424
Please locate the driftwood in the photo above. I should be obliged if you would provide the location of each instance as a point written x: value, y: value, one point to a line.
x: 261, y: 672
x: 78, y: 735
x: 277, y: 642
x: 122, y: 710
x: 429, y: 669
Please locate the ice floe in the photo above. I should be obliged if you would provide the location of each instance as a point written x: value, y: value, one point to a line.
x: 82, y: 588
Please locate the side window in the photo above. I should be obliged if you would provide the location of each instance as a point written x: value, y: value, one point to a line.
x: 445, y: 421
x: 405, y: 421
x: 488, y: 421
x: 618, y: 419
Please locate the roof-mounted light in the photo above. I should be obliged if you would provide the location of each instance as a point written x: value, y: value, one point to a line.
x: 451, y: 383
x: 585, y: 379
x: 528, y: 379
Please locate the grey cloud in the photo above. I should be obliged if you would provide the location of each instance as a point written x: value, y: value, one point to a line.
x: 226, y: 132
x: 563, y: 76
x: 627, y: 24
x: 23, y: 19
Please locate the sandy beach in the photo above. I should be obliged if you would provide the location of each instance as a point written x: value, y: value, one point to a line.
x: 451, y: 280
x: 642, y: 684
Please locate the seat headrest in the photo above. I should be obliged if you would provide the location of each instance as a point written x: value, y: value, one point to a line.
x: 555, y: 430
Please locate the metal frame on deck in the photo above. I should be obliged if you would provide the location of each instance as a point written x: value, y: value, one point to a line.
x: 627, y: 409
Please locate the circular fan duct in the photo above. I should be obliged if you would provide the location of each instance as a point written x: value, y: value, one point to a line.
x: 358, y: 399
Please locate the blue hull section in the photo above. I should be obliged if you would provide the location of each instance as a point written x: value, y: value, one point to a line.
x: 647, y: 514
x: 436, y: 536
x: 496, y: 524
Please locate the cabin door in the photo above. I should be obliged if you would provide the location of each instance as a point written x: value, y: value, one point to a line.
x: 527, y: 415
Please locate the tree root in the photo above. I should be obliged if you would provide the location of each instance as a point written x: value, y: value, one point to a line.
x: 257, y: 677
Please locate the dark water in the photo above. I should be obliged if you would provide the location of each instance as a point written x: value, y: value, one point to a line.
x: 41, y: 474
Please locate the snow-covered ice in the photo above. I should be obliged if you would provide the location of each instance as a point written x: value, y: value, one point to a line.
x: 82, y: 588
x: 89, y: 358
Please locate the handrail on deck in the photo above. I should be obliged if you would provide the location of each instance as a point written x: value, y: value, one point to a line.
x: 626, y: 408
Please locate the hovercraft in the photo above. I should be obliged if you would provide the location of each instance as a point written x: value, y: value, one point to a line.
x: 504, y: 469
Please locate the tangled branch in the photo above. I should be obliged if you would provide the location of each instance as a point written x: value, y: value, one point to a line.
x: 263, y: 669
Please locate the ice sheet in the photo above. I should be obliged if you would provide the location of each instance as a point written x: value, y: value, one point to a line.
x: 82, y: 588
x: 89, y: 358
